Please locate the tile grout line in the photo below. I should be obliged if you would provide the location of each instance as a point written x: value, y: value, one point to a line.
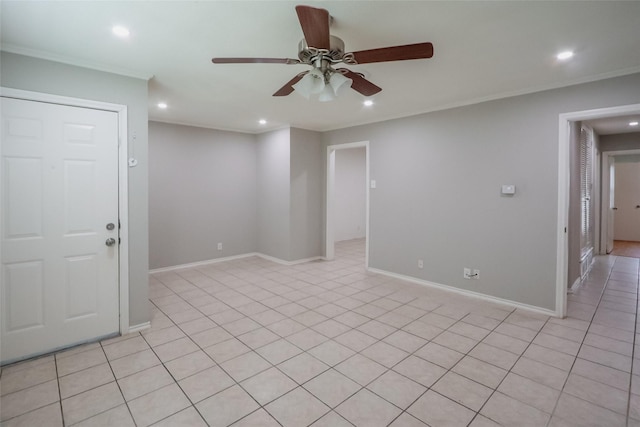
x: 55, y: 362
x: 115, y: 379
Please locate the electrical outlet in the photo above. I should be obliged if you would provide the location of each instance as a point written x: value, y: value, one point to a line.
x: 467, y: 273
x: 420, y: 263
x: 219, y: 246
x: 476, y: 274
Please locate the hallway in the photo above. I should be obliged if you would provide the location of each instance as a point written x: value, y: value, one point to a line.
x: 626, y: 249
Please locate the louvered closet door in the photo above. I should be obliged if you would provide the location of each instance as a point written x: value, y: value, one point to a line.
x: 59, y: 190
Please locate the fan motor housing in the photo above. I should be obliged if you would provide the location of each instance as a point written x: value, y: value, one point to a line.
x: 309, y: 54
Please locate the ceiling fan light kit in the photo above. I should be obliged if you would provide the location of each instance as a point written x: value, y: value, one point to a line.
x: 323, y: 81
x: 321, y: 51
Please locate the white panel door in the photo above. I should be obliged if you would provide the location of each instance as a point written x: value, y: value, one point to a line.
x: 627, y: 199
x: 59, y: 176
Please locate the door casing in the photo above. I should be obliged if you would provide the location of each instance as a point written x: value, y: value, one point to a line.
x: 330, y: 195
x: 123, y: 199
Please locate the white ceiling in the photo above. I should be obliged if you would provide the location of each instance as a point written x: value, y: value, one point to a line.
x: 483, y: 50
x: 615, y: 125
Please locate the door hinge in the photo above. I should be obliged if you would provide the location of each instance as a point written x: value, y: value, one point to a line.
x: 565, y: 229
x: 119, y: 240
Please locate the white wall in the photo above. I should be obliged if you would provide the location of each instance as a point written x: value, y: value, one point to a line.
x: 350, y: 194
x: 627, y: 197
x: 202, y: 191
x: 38, y: 75
x: 438, y: 189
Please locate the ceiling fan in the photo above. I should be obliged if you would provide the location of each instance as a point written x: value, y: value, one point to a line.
x: 322, y: 51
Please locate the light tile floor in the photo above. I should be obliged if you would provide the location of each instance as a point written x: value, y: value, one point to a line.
x: 253, y: 343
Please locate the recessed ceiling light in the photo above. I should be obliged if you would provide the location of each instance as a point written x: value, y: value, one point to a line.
x: 162, y: 105
x: 120, y: 31
x: 262, y: 121
x: 564, y: 55
x: 368, y: 103
x: 633, y: 123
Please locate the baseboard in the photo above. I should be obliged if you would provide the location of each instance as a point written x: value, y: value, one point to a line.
x: 283, y: 262
x: 202, y: 263
x: 477, y: 295
x: 139, y: 327
x: 233, y: 258
x: 575, y: 285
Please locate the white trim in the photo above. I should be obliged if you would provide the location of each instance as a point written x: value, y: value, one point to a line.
x: 123, y: 186
x: 604, y: 203
x: 605, y: 192
x: 575, y: 286
x: 329, y: 197
x: 562, y: 240
x: 597, y: 194
x: 562, y: 258
x: 234, y: 258
x: 289, y: 263
x: 202, y: 263
x: 139, y: 327
x: 464, y: 292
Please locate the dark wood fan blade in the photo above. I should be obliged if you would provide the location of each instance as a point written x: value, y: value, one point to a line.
x: 315, y: 26
x: 254, y: 61
x: 394, y: 53
x: 287, y: 89
x: 360, y: 84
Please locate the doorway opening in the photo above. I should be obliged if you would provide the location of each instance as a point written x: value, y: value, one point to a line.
x: 564, y: 189
x: 347, y: 196
x: 620, y: 232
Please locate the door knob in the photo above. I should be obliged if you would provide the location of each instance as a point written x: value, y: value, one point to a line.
x: 615, y: 209
x: 110, y: 241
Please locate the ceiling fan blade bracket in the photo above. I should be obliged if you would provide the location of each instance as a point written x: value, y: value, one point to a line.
x: 349, y: 58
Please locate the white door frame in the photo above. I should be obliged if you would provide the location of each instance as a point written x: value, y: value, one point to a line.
x: 123, y: 197
x: 564, y: 158
x: 605, y: 191
x: 330, y: 196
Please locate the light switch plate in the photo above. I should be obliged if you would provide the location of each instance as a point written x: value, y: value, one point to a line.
x: 508, y: 189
